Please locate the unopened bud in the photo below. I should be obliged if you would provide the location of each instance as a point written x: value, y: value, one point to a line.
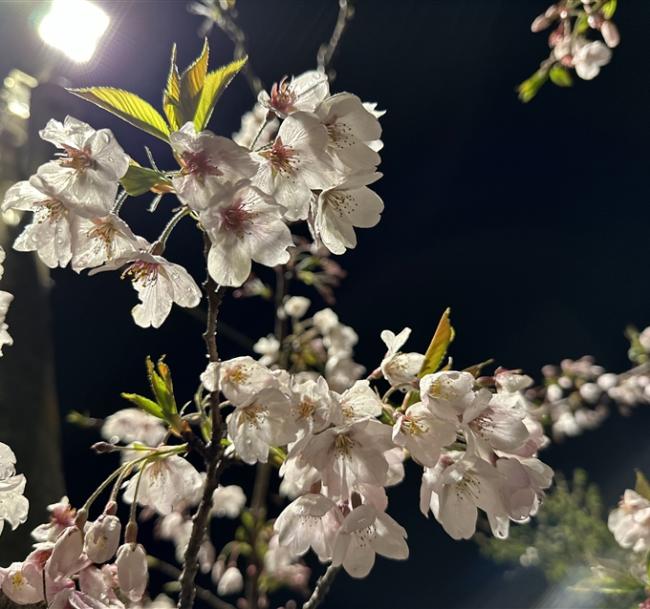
x: 610, y: 34
x: 595, y: 21
x: 540, y: 23
x: 104, y: 447
x: 111, y: 508
x: 131, y: 532
x: 551, y: 12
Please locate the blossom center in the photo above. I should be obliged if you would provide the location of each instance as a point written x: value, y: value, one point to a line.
x: 282, y: 97
x: 283, y: 158
x: 142, y: 272
x: 198, y: 164
x: 77, y: 159
x: 343, y: 445
x: 305, y: 409
x: 252, y: 415
x: 236, y: 218
x: 103, y: 232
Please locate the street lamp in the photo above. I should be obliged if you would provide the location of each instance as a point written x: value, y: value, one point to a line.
x: 74, y: 27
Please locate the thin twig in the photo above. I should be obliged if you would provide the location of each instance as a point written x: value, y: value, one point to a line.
x: 327, y: 51
x: 323, y: 586
x: 226, y: 21
x: 204, y: 594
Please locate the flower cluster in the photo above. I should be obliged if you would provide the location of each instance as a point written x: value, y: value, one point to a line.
x: 571, y: 49
x: 578, y: 395
x: 337, y: 440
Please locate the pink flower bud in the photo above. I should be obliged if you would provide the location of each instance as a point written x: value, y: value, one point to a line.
x: 610, y: 34
x: 132, y: 572
x: 540, y: 23
x: 67, y: 556
x: 103, y: 538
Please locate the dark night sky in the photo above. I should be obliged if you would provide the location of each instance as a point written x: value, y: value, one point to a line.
x: 530, y: 221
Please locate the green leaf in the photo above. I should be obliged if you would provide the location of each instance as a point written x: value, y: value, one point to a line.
x: 642, y: 485
x: 139, y: 180
x: 172, y: 94
x: 161, y: 387
x: 560, y: 76
x: 215, y: 83
x: 145, y: 403
x: 582, y: 24
x: 609, y: 8
x: 528, y: 89
x: 438, y: 347
x: 191, y: 84
x: 128, y: 106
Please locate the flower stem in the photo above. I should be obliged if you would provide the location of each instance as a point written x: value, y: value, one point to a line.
x: 323, y: 586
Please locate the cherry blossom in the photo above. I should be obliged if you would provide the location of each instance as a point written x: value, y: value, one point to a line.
x: 630, y: 522
x: 13, y: 505
x: 259, y: 423
x: 364, y: 533
x: 102, y: 537
x: 90, y: 168
x: 244, y: 225
x: 228, y: 501
x: 344, y: 206
x: 423, y: 434
x: 301, y: 94
x: 133, y: 425
x: 349, y: 455
x: 304, y: 524
x: 231, y: 582
x: 589, y: 58
x: 132, y: 572
x: 159, y: 283
x: 207, y: 162
x: 165, y: 483
x: 296, y: 306
x: 95, y: 241
x: 21, y: 583
x: 62, y: 516
x: 350, y: 127
x: 399, y: 368
x: 294, y: 164
x: 454, y: 490
x: 312, y: 404
x: 55, y: 218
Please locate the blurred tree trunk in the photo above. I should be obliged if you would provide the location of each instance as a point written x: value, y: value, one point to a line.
x: 29, y: 416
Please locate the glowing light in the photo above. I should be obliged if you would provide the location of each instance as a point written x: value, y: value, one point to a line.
x: 74, y: 27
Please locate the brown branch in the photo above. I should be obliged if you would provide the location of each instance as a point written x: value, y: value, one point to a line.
x: 323, y: 586
x: 327, y: 51
x: 213, y: 454
x: 226, y: 21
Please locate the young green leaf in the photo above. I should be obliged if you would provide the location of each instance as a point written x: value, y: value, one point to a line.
x: 560, y: 76
x: 609, y: 8
x: 438, y: 347
x: 172, y: 94
x: 128, y: 106
x: 215, y: 83
x: 528, y: 89
x: 139, y: 180
x: 145, y: 403
x: 161, y: 387
x: 191, y: 84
